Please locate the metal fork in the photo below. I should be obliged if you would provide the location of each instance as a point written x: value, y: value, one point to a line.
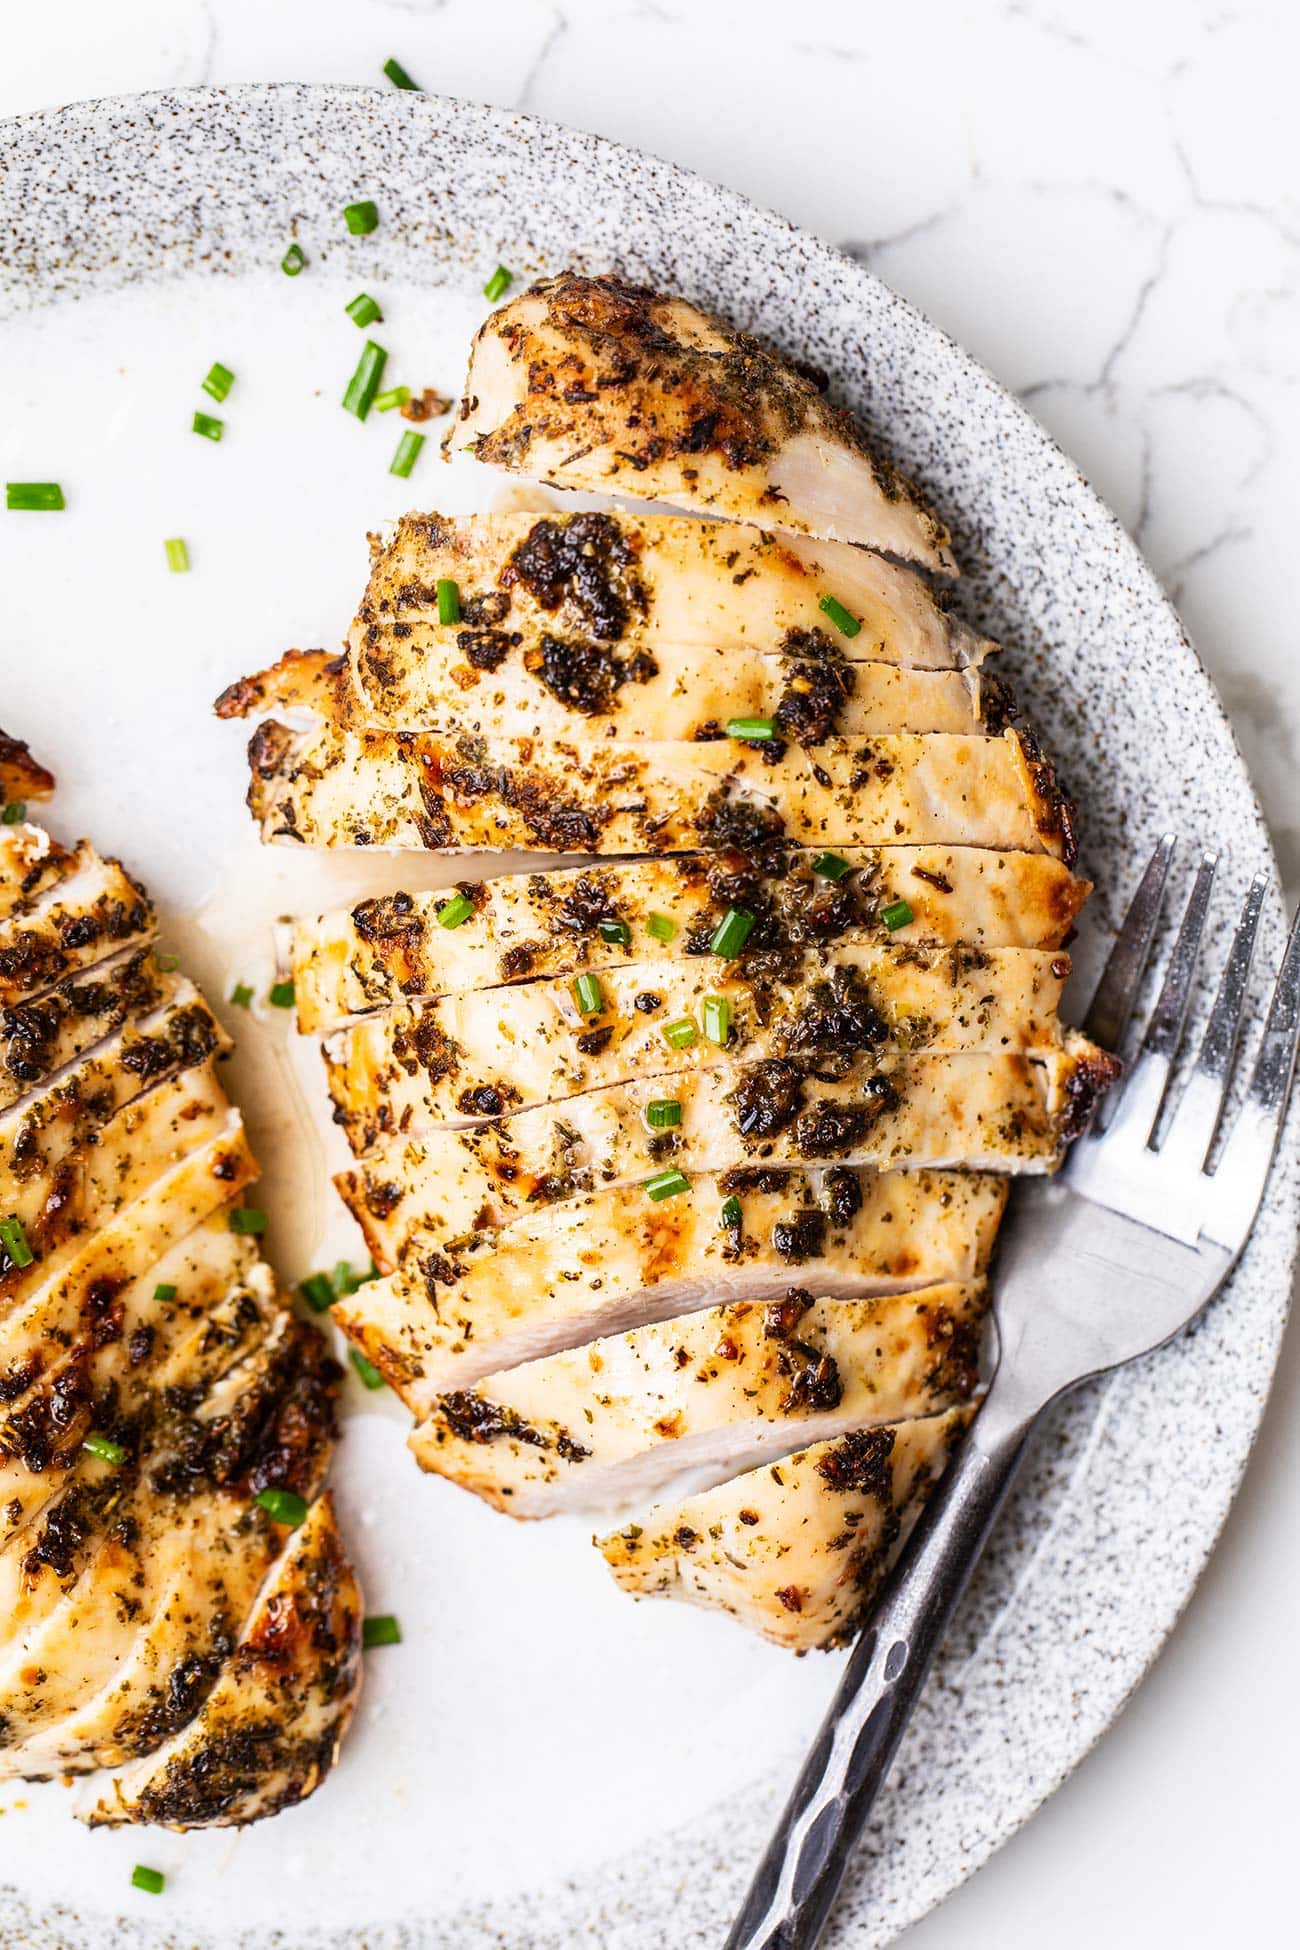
x: 1098, y: 1265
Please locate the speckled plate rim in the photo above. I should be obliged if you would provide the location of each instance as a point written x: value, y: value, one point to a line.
x: 115, y: 192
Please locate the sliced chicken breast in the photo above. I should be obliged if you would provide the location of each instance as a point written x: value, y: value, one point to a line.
x: 470, y: 1057
x: 601, y: 1264
x: 550, y: 924
x: 82, y: 918
x: 41, y: 1036
x: 733, y: 1387
x: 794, y: 1549
x: 22, y: 776
x: 269, y: 1730
x: 30, y: 864
x: 331, y: 788
x: 602, y: 385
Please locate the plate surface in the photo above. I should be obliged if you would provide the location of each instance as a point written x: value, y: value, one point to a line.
x: 541, y: 1763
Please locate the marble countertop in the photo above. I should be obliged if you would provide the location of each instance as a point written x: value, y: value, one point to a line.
x: 1102, y: 202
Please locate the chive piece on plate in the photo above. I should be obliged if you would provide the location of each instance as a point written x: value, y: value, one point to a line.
x: 398, y: 76
x: 667, y: 1184
x: 363, y: 310
x: 715, y: 1019
x: 731, y: 933
x: 617, y: 932
x: 756, y: 729
x: 896, y: 915
x: 152, y: 1881
x: 106, y: 1450
x: 845, y: 622
x: 448, y: 600
x: 346, y: 1281
x: 361, y: 218
x: 168, y: 963
x: 280, y: 995
x: 283, y: 1506
x: 318, y: 1291
x: 210, y: 428
x: 498, y: 284
x: 165, y: 1292
x: 680, y: 1034
x: 219, y: 381
x: 408, y: 452
x: 829, y: 866
x: 178, y: 555
x: 292, y: 261
x: 364, y: 383
x: 588, y: 995
x: 395, y: 396
x: 14, y: 813
x: 14, y: 1240
x: 663, y: 1113
x: 34, y: 497
x: 661, y: 926
x: 453, y: 912
x: 731, y: 1213
x: 381, y: 1630
x: 247, y: 1218
x: 369, y: 1373
x: 241, y: 995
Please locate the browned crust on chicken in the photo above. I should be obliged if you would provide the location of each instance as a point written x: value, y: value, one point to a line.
x: 21, y: 775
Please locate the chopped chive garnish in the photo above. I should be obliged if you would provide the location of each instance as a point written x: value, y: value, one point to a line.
x: 829, y: 866
x: 282, y: 1506
x: 361, y: 218
x: 661, y: 927
x: 617, y: 932
x: 760, y: 728
x: 896, y: 915
x: 14, y: 1241
x: 363, y: 310
x: 395, y: 396
x: 219, y: 381
x: 34, y: 497
x: 667, y: 1184
x: 498, y: 284
x: 846, y: 623
x: 732, y: 932
x: 106, y: 1450
x: 241, y: 995
x: 152, y: 1881
x: 210, y: 429
x: 168, y: 963
x: 292, y: 261
x: 731, y: 1213
x: 408, y: 452
x: 346, y: 1281
x: 364, y: 383
x: 165, y: 1292
x: 247, y: 1218
x: 383, y: 1630
x: 680, y: 1034
x: 588, y: 995
x: 398, y: 76
x: 369, y: 1373
x: 318, y: 1291
x: 14, y: 812
x: 663, y: 1113
x: 715, y: 1019
x: 280, y: 995
x: 453, y: 912
x: 178, y: 555
x: 448, y: 600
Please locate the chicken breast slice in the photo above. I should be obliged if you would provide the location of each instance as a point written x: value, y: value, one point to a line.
x: 470, y: 1057
x: 326, y: 787
x: 794, y: 1549
x: 22, y: 776
x: 30, y: 864
x: 599, y: 384
x: 731, y: 1388
x: 610, y: 1261
x: 42, y: 1036
x: 347, y: 963
x: 269, y: 1730
x: 81, y: 919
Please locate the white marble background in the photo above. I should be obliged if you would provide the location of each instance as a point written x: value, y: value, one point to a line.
x: 1101, y: 199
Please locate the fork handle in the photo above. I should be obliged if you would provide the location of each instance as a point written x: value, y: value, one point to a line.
x: 799, y: 1876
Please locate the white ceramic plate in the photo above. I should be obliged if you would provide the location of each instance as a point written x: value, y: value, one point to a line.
x: 542, y: 1763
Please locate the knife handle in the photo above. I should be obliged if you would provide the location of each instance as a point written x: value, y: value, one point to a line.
x: 799, y: 1876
